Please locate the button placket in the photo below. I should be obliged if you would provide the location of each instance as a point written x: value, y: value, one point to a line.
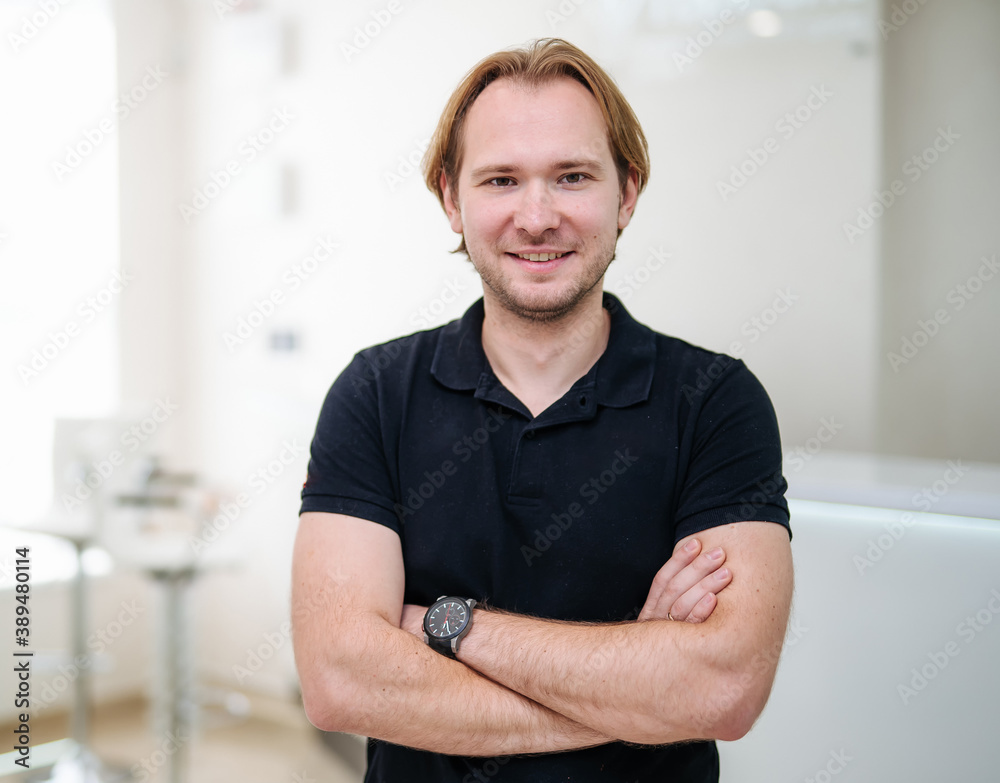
x: 526, y: 475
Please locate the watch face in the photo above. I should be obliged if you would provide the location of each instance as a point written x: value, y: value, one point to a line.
x: 446, y: 618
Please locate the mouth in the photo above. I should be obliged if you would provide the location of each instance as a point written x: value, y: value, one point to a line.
x: 540, y: 256
x: 541, y: 263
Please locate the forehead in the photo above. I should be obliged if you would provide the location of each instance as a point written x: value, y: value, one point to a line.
x: 511, y: 124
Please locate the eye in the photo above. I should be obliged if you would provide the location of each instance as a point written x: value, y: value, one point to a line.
x: 575, y: 178
x: 501, y: 182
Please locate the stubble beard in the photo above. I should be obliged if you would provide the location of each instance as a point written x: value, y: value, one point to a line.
x: 543, y: 308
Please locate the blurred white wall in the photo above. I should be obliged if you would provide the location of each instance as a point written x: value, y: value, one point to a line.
x: 940, y: 374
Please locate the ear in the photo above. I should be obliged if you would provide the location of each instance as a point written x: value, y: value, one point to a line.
x: 630, y: 196
x: 450, y: 207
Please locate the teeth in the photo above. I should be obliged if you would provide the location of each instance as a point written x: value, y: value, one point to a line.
x: 540, y: 256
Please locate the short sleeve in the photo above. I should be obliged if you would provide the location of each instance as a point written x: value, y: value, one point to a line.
x: 348, y: 471
x: 734, y: 470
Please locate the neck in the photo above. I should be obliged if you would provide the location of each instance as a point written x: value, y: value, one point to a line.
x: 540, y: 361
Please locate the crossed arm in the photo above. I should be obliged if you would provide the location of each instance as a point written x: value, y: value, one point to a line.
x: 524, y: 685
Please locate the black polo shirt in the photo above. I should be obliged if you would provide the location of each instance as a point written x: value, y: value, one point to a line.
x: 565, y: 515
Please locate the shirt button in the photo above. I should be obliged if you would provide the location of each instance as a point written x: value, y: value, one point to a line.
x: 529, y: 434
x: 583, y: 401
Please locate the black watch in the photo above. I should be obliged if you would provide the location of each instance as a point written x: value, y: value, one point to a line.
x: 446, y: 622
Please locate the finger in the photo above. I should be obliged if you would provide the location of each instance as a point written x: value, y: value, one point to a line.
x: 673, y: 580
x: 680, y: 559
x: 703, y: 609
x: 689, y: 576
x: 712, y: 584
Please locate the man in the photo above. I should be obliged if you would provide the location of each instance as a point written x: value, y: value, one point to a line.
x: 578, y: 476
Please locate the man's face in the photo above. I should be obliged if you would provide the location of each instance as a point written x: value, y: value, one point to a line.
x: 538, y: 180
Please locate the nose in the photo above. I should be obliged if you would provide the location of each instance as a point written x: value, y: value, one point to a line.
x: 536, y: 212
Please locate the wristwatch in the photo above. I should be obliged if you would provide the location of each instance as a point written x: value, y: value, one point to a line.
x: 446, y: 622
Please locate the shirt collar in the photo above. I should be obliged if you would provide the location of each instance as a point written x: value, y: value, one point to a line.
x: 622, y: 376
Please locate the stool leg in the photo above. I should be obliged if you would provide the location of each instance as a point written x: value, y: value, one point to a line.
x: 80, y: 717
x: 179, y: 673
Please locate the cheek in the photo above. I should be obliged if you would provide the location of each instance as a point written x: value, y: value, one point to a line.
x: 484, y: 220
x: 593, y: 220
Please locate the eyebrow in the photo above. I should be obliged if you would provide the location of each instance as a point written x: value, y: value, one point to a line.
x: 563, y: 165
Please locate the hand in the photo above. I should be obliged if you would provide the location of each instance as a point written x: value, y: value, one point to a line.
x: 684, y: 589
x: 412, y: 619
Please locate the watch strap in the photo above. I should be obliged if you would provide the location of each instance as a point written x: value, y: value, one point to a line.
x: 442, y: 646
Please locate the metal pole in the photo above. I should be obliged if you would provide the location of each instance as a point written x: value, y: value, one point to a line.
x: 81, y: 690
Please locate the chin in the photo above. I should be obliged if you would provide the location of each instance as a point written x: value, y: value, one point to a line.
x: 542, y: 308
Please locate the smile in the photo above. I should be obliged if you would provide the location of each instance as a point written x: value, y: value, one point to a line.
x: 539, y: 256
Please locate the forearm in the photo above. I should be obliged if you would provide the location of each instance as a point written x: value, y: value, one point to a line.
x: 646, y: 682
x: 391, y: 686
x: 656, y: 681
